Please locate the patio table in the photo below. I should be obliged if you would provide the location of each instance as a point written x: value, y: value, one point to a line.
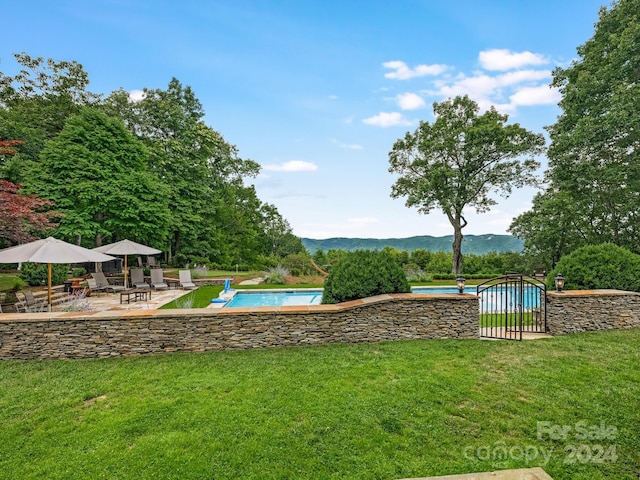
x: 137, y: 293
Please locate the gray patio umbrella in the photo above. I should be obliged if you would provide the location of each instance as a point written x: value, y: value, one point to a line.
x: 126, y: 247
x: 51, y: 250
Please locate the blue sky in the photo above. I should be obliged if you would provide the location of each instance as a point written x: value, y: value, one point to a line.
x: 318, y: 91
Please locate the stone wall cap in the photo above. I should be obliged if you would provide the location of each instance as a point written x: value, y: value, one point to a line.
x: 590, y: 293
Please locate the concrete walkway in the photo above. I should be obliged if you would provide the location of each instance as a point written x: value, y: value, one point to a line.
x: 519, y: 474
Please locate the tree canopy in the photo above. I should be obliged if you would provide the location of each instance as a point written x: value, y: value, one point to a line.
x: 151, y: 170
x: 459, y: 160
x: 593, y: 192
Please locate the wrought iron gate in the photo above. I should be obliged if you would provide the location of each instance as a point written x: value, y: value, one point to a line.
x: 512, y: 304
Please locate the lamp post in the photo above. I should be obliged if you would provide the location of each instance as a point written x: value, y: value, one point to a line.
x: 559, y: 282
x: 460, y: 282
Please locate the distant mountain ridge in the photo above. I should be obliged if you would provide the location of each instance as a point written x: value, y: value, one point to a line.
x: 475, y: 244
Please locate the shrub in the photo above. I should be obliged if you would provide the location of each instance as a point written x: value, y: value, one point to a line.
x: 418, y: 275
x: 35, y: 274
x: 78, y: 272
x: 364, y: 273
x: 276, y: 275
x: 598, y: 266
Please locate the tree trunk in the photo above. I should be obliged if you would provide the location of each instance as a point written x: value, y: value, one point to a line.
x: 456, y: 261
x: 458, y: 222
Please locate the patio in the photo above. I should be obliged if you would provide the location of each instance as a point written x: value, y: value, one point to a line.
x: 112, y: 301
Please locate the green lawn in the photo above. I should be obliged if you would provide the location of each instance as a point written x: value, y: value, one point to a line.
x: 376, y: 411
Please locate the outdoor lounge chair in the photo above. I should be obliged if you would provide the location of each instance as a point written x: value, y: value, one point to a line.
x: 185, y: 279
x: 103, y: 283
x: 93, y: 286
x: 137, y: 278
x: 157, y: 281
x: 30, y: 304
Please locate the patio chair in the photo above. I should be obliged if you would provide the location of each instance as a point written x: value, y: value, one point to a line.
x: 137, y: 278
x: 185, y: 279
x: 103, y: 283
x: 151, y: 262
x: 30, y: 304
x: 93, y: 286
x: 157, y: 281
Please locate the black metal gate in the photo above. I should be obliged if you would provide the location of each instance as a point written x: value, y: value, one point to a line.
x: 512, y: 304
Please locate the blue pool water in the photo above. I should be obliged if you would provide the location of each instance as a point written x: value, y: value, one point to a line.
x: 275, y: 299
x: 440, y: 290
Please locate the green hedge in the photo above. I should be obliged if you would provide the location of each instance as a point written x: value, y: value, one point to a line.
x: 35, y: 274
x: 598, y: 266
x: 364, y: 273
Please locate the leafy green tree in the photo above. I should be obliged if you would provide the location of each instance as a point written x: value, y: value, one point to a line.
x: 364, y: 273
x: 459, y: 160
x: 35, y: 105
x: 96, y: 174
x: 594, y: 157
x: 213, y: 214
x: 599, y: 266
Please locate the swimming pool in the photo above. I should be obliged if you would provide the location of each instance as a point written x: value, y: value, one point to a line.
x: 282, y: 297
x: 275, y: 298
x: 493, y: 300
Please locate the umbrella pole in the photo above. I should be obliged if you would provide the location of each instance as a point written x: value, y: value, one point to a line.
x: 49, y: 286
x: 125, y: 272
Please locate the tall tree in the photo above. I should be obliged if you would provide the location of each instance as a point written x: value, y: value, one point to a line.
x: 594, y: 156
x: 459, y: 160
x: 210, y: 217
x: 96, y: 173
x: 36, y: 103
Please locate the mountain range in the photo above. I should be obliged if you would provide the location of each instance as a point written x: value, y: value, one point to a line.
x: 472, y: 244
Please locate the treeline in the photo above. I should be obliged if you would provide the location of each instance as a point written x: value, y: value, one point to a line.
x: 420, y: 264
x: 149, y: 169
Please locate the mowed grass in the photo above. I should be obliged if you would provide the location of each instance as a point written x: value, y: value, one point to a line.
x: 370, y: 411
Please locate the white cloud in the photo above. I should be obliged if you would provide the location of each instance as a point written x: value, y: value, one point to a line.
x: 403, y: 72
x: 542, y: 95
x: 410, y: 101
x: 136, y: 95
x: 501, y: 91
x: 292, y: 166
x: 503, y: 59
x: 333, y: 97
x: 349, y: 146
x: 387, y: 119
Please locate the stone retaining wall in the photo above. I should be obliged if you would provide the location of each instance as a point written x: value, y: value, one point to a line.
x: 590, y: 310
x: 115, y: 333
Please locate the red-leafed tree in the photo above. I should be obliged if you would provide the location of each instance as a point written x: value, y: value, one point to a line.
x: 22, y: 215
x: 6, y: 146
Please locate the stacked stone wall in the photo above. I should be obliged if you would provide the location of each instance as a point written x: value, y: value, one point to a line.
x: 107, y: 334
x: 592, y: 310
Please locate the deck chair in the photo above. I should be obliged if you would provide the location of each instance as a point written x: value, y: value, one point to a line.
x: 30, y: 304
x: 137, y: 278
x: 103, y: 283
x: 93, y: 286
x: 185, y: 279
x: 151, y: 262
x: 157, y: 282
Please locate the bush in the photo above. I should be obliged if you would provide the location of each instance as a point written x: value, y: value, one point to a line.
x: 276, y: 275
x: 78, y: 272
x: 35, y: 274
x: 364, y: 273
x: 598, y: 266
